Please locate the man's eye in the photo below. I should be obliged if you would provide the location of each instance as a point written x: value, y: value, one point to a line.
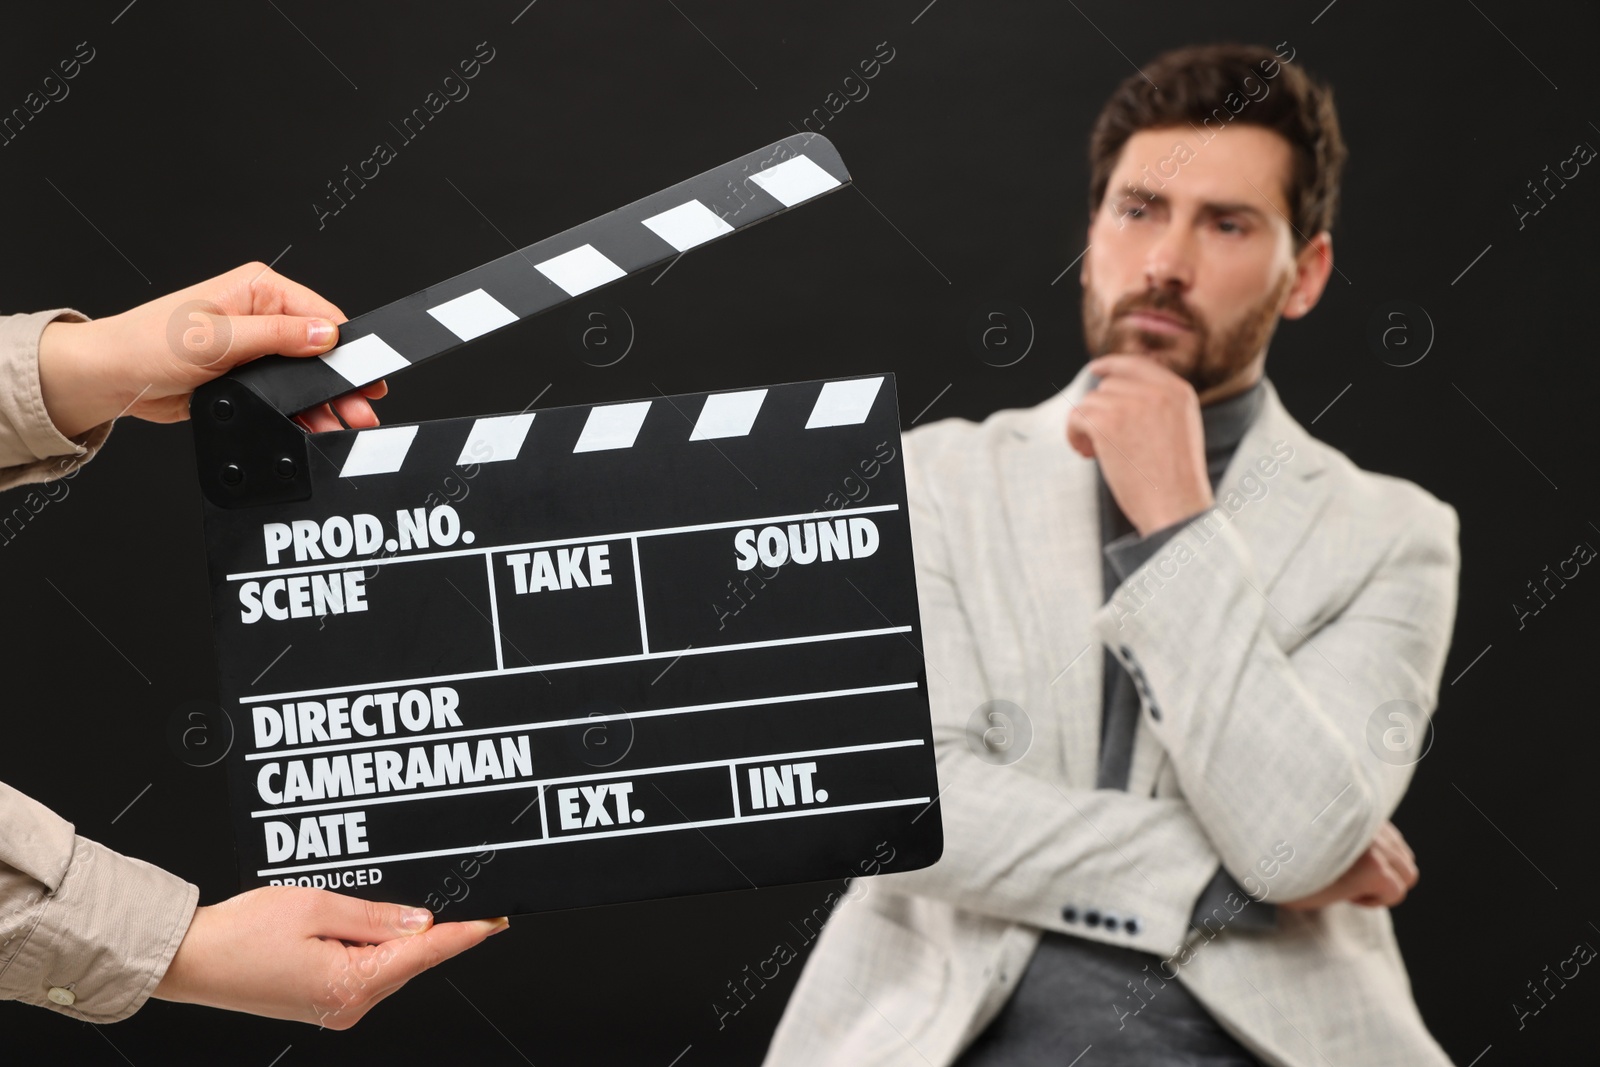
x: 1133, y: 212
x: 1235, y: 227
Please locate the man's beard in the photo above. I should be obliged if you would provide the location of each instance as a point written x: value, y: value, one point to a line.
x: 1216, y: 358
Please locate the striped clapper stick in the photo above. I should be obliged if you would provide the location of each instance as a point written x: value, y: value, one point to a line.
x: 646, y: 234
x: 580, y: 655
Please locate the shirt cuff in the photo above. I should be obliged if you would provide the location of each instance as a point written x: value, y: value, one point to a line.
x: 1129, y: 552
x: 1223, y: 903
x: 31, y: 447
x: 86, y: 931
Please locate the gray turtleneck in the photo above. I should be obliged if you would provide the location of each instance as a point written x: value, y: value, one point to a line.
x: 1077, y: 992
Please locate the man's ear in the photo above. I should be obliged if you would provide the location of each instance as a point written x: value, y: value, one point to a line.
x: 1313, y: 267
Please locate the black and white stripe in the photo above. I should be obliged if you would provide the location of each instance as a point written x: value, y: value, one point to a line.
x: 607, y: 427
x: 553, y: 271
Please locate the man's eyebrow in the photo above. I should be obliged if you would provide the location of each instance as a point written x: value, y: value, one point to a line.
x: 1209, y: 207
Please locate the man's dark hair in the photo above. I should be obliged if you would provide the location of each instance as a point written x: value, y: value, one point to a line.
x: 1207, y: 87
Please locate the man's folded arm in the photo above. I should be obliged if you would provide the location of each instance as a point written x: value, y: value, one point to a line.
x: 1022, y: 849
x: 1017, y: 846
x: 1271, y: 746
x: 1123, y: 556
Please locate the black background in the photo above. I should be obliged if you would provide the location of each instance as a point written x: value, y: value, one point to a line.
x: 200, y: 136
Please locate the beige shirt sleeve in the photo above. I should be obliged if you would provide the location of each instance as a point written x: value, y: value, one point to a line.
x: 84, y: 931
x: 31, y: 448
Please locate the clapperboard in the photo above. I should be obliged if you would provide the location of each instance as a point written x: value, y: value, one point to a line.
x: 577, y: 655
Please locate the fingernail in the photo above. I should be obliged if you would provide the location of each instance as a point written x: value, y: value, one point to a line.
x: 320, y: 331
x: 491, y: 927
x: 416, y: 920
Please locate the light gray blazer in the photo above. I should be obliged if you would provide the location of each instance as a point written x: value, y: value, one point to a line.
x: 1264, y: 638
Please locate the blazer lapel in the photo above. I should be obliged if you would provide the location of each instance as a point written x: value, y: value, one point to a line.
x: 1051, y: 511
x: 1275, y: 525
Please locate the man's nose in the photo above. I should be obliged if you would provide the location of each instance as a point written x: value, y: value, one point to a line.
x: 1169, y: 262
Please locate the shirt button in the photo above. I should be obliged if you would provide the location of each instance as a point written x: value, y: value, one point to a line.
x: 1132, y: 925
x: 1069, y: 914
x: 65, y: 997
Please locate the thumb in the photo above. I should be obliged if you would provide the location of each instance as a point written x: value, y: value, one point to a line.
x: 288, y: 335
x: 368, y: 921
x: 1079, y: 438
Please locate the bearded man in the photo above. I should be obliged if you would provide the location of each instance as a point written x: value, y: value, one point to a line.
x: 1162, y: 624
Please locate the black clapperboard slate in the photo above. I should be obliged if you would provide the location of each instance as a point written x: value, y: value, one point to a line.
x: 577, y: 655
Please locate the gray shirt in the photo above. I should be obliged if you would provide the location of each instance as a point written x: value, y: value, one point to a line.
x: 1078, y: 993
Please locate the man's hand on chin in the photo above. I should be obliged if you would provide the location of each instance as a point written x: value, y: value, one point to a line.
x: 1142, y: 422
